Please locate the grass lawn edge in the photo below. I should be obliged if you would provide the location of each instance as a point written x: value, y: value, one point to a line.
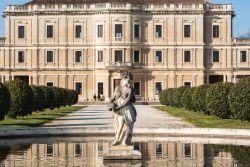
x: 204, y: 121
x: 38, y: 119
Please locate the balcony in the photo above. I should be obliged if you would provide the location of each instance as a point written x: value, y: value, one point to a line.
x: 118, y: 65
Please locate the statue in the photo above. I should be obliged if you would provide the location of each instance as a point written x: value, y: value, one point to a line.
x: 124, y: 112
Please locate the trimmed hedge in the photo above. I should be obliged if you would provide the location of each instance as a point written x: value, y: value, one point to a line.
x: 39, y: 98
x: 18, y: 99
x: 72, y: 97
x: 21, y: 97
x: 239, y: 99
x: 199, y: 99
x: 187, y: 98
x: 163, y: 97
x: 177, y: 96
x: 4, y: 101
x: 166, y: 97
x: 217, y: 101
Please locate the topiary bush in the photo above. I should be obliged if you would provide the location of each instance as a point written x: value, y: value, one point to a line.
x: 187, y: 99
x: 199, y: 99
x: 72, y: 97
x: 217, y: 99
x: 177, y: 96
x: 239, y: 99
x: 39, y: 98
x: 21, y: 98
x: 163, y: 97
x: 170, y: 94
x: 49, y: 97
x: 58, y: 94
x: 4, y: 101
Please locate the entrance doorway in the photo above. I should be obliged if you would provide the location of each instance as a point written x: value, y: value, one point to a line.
x: 22, y: 78
x: 116, y: 83
x: 215, y: 78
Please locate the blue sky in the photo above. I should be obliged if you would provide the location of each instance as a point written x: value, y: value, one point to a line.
x: 241, y: 8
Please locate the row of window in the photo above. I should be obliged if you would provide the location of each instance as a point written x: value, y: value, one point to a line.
x: 118, y: 56
x: 119, y: 31
x: 137, y: 87
x: 79, y: 149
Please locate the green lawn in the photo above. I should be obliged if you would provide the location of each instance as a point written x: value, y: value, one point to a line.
x: 205, y: 121
x: 38, y: 118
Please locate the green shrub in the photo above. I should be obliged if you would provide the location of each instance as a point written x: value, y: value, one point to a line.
x: 49, y: 97
x: 239, y: 99
x: 170, y: 94
x: 199, y: 99
x: 72, y: 97
x: 217, y: 99
x: 21, y: 97
x: 177, y: 96
x: 163, y: 97
x: 39, y: 98
x: 63, y: 94
x: 4, y: 101
x: 166, y: 97
x: 58, y: 94
x: 187, y: 98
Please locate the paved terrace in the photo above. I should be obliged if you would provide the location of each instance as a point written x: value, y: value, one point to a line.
x: 99, y: 116
x: 97, y: 121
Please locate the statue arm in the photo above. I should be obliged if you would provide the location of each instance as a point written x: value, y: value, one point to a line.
x: 126, y: 101
x: 112, y: 99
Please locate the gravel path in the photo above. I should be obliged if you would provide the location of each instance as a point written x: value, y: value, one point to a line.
x: 99, y: 116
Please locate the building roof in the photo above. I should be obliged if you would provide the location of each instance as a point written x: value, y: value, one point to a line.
x: 115, y: 1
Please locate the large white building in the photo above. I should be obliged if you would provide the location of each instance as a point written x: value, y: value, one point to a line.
x: 86, y: 44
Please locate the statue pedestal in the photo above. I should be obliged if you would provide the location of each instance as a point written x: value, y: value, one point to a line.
x: 122, y: 153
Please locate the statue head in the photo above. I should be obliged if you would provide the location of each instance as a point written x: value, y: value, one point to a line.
x: 126, y: 79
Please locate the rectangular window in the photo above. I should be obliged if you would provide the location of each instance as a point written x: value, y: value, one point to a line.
x: 243, y: 56
x: 216, y: 31
x: 216, y: 56
x: 187, y: 150
x: 50, y: 31
x: 137, y: 88
x: 100, y: 88
x: 50, y: 150
x: 187, y: 84
x: 78, y: 150
x: 78, y: 88
x: 158, y: 31
x: 78, y: 31
x: 187, y: 31
x: 118, y: 56
x: 136, y: 31
x: 21, y: 57
x: 158, y: 149
x: 49, y: 83
x: 20, y: 31
x: 100, y: 56
x: 158, y: 56
x: 136, y: 56
x: 78, y: 56
x: 50, y: 56
x: 118, y: 31
x: 99, y: 31
x: 187, y: 56
x: 158, y: 88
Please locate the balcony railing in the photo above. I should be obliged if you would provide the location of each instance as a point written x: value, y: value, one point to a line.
x: 119, y: 65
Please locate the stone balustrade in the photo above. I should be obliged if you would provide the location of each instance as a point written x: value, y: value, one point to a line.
x: 120, y: 6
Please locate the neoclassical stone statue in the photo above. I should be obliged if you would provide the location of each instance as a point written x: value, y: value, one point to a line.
x: 124, y: 112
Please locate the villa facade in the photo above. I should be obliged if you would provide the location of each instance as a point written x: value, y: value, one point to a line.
x: 86, y: 44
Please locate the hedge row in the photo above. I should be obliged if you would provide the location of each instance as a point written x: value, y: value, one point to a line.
x: 18, y: 99
x: 225, y: 100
